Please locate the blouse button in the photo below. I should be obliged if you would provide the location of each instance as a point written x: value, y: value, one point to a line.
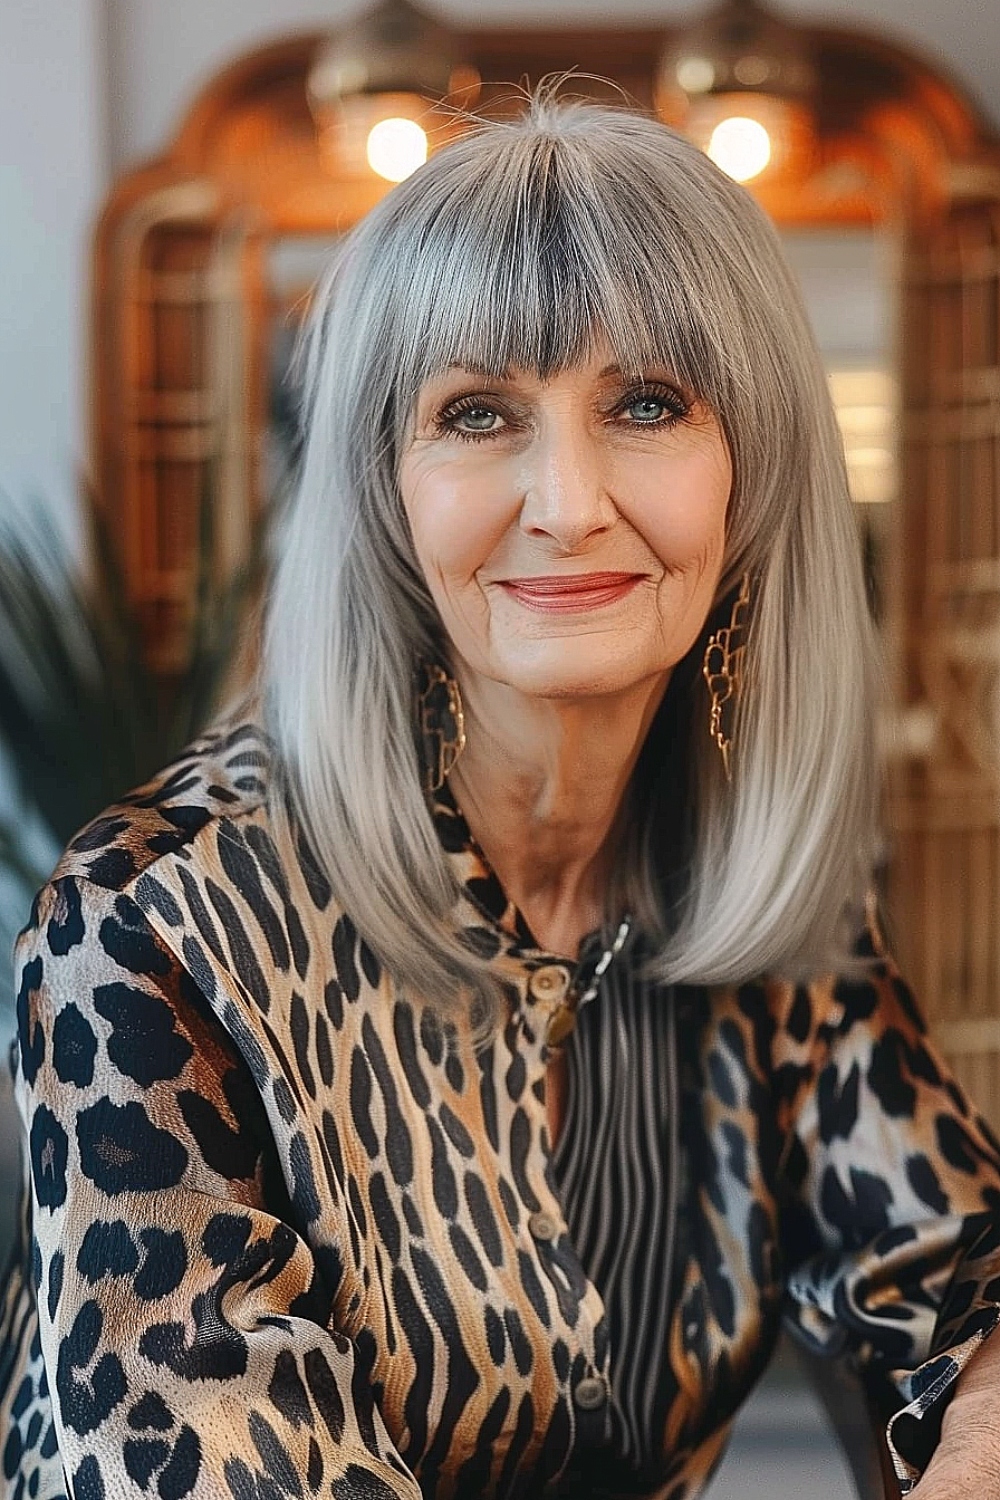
x: 590, y: 1393
x: 549, y: 982
x: 542, y: 1226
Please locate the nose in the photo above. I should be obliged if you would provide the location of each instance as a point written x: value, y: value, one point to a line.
x: 566, y: 498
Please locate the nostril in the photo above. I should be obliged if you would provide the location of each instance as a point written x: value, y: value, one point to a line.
x: 568, y: 521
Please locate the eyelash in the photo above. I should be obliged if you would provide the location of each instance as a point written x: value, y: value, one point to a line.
x: 676, y: 409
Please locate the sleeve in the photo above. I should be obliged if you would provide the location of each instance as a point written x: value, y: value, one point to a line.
x: 184, y: 1324
x: 891, y: 1229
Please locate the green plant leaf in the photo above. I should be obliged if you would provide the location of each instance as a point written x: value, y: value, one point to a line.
x: 83, y: 719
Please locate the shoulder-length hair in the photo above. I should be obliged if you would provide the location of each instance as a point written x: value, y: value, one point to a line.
x: 520, y: 245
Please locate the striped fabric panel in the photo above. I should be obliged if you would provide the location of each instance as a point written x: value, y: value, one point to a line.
x: 614, y: 1164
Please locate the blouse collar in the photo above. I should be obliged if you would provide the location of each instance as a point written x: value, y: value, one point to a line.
x: 507, y: 934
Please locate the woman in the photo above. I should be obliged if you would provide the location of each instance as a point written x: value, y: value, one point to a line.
x: 437, y: 1090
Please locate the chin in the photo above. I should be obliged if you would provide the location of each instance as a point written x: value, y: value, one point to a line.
x: 575, y: 673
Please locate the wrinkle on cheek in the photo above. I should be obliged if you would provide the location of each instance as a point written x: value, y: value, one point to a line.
x: 468, y: 626
x: 710, y: 556
x: 461, y: 605
x: 695, y: 580
x: 691, y: 570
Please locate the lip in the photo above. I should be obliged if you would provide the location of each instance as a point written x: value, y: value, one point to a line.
x: 568, y: 593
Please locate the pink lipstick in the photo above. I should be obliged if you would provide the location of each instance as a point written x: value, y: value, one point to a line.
x: 562, y: 594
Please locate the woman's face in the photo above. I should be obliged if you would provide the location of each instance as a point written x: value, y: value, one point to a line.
x: 570, y: 531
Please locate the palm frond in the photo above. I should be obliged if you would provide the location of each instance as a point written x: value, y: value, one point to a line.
x: 82, y: 717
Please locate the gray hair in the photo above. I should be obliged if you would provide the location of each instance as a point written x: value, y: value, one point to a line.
x: 520, y: 245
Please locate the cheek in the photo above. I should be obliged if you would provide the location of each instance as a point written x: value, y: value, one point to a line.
x: 457, y: 519
x: 680, y: 508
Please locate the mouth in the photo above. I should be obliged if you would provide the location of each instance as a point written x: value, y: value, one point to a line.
x: 566, y: 594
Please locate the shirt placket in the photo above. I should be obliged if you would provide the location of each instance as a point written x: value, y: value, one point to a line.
x: 549, y: 995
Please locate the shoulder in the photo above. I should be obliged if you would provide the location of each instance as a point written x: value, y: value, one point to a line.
x: 88, y: 923
x: 223, y: 776
x: 126, y: 868
x: 783, y: 1028
x: 200, y: 874
x: 151, y: 906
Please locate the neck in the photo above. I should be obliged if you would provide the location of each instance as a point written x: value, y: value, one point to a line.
x: 541, y: 784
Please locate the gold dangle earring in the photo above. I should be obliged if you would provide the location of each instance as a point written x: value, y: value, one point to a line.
x: 723, y: 671
x: 441, y: 719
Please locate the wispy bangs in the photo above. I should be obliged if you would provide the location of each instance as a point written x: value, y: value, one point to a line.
x: 533, y: 258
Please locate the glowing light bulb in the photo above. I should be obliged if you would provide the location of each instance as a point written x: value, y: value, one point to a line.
x: 396, y: 148
x: 741, y: 147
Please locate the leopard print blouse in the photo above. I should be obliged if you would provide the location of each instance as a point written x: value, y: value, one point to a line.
x: 292, y: 1235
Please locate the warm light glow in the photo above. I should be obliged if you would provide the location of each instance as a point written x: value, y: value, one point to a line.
x: 751, y: 71
x: 695, y: 75
x: 871, y: 458
x: 741, y: 147
x: 867, y: 404
x: 396, y: 148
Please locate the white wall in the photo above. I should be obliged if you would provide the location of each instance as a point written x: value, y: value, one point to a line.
x: 161, y: 51
x: 52, y: 175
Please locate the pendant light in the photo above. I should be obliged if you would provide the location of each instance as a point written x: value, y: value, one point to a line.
x: 738, y: 81
x: 373, y: 85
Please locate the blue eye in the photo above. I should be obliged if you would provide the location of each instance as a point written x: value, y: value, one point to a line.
x: 471, y: 419
x: 646, y: 409
x: 654, y: 405
x: 477, y: 418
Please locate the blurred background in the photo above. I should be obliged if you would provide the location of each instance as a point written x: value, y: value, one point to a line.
x: 172, y: 178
